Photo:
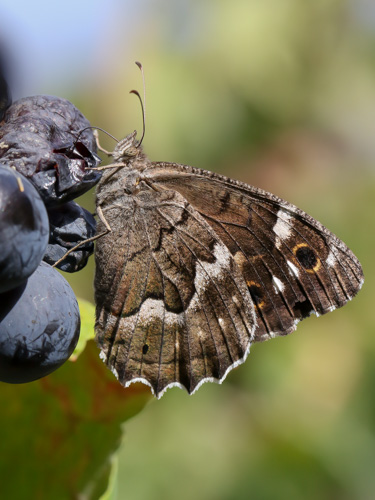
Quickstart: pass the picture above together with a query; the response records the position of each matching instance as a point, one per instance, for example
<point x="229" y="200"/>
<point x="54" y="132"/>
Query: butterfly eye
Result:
<point x="131" y="151"/>
<point x="306" y="257"/>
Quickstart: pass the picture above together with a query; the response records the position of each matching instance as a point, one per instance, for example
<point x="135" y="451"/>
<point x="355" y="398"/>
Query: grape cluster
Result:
<point x="47" y="157"/>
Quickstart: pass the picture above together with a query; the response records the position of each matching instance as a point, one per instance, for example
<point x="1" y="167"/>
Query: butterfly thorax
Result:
<point x="125" y="177"/>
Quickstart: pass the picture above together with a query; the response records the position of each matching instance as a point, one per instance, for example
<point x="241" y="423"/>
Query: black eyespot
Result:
<point x="145" y="349"/>
<point x="306" y="257"/>
<point x="303" y="309"/>
<point x="256" y="294"/>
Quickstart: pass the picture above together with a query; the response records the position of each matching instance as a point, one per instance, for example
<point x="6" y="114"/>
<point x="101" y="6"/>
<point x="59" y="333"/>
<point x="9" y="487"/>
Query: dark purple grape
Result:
<point x="24" y="228"/>
<point x="69" y="225"/>
<point x="42" y="138"/>
<point x="39" y="326"/>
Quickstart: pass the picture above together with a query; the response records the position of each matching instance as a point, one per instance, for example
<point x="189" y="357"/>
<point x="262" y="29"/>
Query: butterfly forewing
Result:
<point x="292" y="265"/>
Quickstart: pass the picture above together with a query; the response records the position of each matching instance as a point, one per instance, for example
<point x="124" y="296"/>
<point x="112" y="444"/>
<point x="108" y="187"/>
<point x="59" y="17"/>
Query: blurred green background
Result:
<point x="279" y="94"/>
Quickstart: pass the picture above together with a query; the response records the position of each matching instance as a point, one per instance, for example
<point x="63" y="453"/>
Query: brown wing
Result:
<point x="172" y="306"/>
<point x="292" y="264"/>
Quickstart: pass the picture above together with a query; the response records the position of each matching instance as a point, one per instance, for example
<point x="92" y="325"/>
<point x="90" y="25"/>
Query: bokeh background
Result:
<point x="276" y="93"/>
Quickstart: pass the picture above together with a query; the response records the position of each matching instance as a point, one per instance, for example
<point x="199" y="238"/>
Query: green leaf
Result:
<point x="112" y="489"/>
<point x="87" y="312"/>
<point x="61" y="432"/>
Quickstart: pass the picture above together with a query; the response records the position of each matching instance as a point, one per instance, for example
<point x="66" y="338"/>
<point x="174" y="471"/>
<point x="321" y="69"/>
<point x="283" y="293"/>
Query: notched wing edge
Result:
<point x="159" y="394"/>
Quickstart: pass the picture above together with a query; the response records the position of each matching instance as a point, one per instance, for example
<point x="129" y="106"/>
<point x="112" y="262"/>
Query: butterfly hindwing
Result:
<point x="172" y="305"/>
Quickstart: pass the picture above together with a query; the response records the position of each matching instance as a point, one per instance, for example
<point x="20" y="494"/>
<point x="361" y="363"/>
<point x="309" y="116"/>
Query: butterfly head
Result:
<point x="127" y="148"/>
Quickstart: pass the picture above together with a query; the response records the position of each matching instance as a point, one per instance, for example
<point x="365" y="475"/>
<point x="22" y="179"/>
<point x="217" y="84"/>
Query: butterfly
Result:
<point x="196" y="267"/>
<point x="193" y="267"/>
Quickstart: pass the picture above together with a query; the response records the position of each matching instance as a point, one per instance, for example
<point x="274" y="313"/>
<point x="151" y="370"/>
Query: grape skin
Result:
<point x="70" y="224"/>
<point x="41" y="136"/>
<point x="39" y="326"/>
<point x="24" y="228"/>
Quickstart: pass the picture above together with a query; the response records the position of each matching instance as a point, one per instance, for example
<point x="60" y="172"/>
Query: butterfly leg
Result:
<point x="151" y="185"/>
<point x="112" y="165"/>
<point x="96" y="135"/>
<point x="88" y="240"/>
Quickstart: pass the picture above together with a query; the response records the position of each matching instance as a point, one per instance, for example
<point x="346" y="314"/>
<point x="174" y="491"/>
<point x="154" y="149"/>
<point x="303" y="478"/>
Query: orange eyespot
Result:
<point x="306" y="256"/>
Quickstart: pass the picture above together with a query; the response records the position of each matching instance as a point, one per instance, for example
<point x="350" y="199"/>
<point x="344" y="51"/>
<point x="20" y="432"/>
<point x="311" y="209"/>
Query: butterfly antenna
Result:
<point x="95" y="128"/>
<point x="143" y="103"/>
<point x="96" y="137"/>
